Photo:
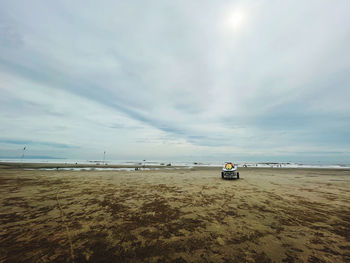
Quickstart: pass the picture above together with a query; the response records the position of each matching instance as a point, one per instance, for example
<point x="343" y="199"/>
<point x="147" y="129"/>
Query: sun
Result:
<point x="236" y="19"/>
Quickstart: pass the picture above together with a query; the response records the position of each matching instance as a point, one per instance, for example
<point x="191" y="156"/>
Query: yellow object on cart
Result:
<point x="228" y="166"/>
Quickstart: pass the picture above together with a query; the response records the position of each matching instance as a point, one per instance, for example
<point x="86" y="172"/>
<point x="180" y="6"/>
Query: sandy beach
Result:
<point x="174" y="215"/>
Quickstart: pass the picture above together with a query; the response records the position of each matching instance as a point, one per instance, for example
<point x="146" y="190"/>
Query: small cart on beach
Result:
<point x="229" y="171"/>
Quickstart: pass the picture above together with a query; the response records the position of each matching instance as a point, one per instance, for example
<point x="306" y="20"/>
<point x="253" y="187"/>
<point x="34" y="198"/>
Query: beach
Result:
<point x="177" y="214"/>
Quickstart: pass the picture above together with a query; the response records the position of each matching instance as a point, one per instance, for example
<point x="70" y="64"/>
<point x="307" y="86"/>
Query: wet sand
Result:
<point x="180" y="215"/>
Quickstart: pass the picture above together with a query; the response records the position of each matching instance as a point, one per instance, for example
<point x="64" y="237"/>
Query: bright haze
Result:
<point x="176" y="80"/>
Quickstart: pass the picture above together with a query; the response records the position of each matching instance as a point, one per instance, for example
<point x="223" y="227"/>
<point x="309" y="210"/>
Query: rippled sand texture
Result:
<point x="269" y="215"/>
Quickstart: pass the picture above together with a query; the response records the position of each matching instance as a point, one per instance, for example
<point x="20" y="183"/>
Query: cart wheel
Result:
<point x="222" y="175"/>
<point x="237" y="175"/>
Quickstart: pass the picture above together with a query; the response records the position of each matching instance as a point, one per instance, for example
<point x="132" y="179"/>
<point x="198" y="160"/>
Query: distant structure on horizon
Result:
<point x="25" y="147"/>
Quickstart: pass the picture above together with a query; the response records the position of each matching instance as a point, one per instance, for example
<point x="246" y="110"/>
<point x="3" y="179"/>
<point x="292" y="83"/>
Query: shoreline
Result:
<point x="94" y="166"/>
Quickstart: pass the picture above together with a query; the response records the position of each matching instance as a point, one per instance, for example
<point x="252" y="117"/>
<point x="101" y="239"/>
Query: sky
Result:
<point x="176" y="80"/>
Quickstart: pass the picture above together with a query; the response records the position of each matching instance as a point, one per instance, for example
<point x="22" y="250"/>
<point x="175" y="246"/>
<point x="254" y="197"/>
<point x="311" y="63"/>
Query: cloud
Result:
<point x="25" y="143"/>
<point x="169" y="80"/>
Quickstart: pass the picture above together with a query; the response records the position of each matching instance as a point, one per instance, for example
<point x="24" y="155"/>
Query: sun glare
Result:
<point x="236" y="20"/>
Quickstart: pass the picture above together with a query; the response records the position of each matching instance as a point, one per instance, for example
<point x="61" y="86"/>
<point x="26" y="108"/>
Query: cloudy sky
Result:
<point x="176" y="80"/>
